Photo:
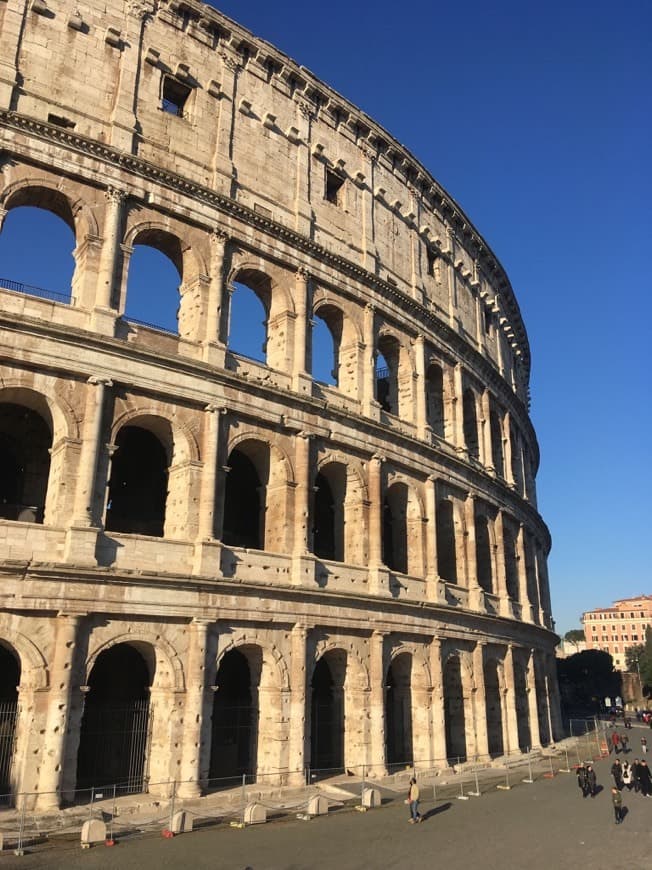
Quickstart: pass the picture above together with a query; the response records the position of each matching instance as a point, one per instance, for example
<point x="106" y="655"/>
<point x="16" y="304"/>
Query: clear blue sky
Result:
<point x="536" y="118"/>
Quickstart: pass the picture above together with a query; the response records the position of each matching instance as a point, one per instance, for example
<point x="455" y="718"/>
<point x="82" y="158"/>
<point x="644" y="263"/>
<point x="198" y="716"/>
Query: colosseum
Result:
<point x="324" y="553"/>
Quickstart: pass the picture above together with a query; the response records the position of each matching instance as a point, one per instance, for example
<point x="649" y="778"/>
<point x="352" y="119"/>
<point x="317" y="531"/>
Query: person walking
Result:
<point x="617" y="801"/>
<point x="644" y="745"/>
<point x="615" y="741"/>
<point x="624" y="742"/>
<point x="617" y="773"/>
<point x="413" y="801"/>
<point x="591" y="781"/>
<point x="635" y="771"/>
<point x="628" y="776"/>
<point x="644" y="778"/>
<point x="581" y="780"/>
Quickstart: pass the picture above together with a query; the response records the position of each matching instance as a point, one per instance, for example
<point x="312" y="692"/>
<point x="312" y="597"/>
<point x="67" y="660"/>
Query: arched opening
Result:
<point x="470" y="423"/>
<point x="138" y="484"/>
<point x="435" y="399"/>
<point x="522" y="708"/>
<point x="494" y="708"/>
<point x="326" y="341"/>
<point x="511" y="563"/>
<point x="388" y="357"/>
<point x="115" y="724"/>
<point x="155" y="272"/>
<point x="398" y="713"/>
<point x="9" y="682"/>
<point x="446" y="556"/>
<point x="330" y="495"/>
<point x="245" y="496"/>
<point x="249" y="315"/>
<point x="517" y="467"/>
<point x="25" y="442"/>
<point x="50" y="274"/>
<point x="327" y="714"/>
<point x="483" y="553"/>
<point x="234" y="736"/>
<point x="395" y="528"/>
<point x="454" y="717"/>
<point x="496" y="428"/>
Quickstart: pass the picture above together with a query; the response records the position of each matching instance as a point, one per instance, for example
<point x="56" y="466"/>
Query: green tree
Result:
<point x="633" y="656"/>
<point x="586" y="679"/>
<point x="574" y="636"/>
<point x="639" y="660"/>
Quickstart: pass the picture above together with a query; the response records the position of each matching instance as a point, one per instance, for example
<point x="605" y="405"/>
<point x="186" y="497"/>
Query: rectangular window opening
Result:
<point x="333" y="187"/>
<point x="174" y="96"/>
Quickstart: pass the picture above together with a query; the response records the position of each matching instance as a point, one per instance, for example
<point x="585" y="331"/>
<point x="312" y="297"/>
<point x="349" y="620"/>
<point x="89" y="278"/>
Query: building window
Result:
<point x="174" y="96"/>
<point x="333" y="184"/>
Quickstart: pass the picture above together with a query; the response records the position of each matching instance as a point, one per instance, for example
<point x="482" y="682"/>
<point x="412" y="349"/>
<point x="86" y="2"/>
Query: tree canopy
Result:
<point x="639" y="659"/>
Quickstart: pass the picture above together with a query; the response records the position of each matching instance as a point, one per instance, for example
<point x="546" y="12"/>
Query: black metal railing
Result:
<point x="129" y="319"/>
<point x="31" y="290"/>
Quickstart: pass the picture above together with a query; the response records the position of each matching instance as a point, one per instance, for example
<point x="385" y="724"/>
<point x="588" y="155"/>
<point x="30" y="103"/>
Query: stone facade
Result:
<point x="617" y="628"/>
<point x="412" y="622"/>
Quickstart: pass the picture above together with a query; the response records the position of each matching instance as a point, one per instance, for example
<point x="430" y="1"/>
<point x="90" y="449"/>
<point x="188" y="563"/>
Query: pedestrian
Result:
<point x="413" y="801"/>
<point x="617" y="800"/>
<point x="617" y="773"/>
<point x="636" y="765"/>
<point x="581" y="780"/>
<point x="615" y="741"/>
<point x="624" y="742"/>
<point x="645" y="778"/>
<point x="628" y="776"/>
<point x="643" y="745"/>
<point x="591" y="781"/>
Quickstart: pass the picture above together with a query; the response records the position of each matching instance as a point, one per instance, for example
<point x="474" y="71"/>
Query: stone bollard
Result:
<point x="255" y="814"/>
<point x="371" y="798"/>
<point x="93" y="831"/>
<point x="317" y="805"/>
<point x="181" y="823"/>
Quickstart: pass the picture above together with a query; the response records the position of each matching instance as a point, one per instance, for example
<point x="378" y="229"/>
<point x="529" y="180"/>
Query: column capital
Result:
<point x="99" y="381"/>
<point x="212" y="409"/>
<point x="114" y="195"/>
<point x="218" y="236"/>
<point x="302" y="274"/>
<point x="379" y="458"/>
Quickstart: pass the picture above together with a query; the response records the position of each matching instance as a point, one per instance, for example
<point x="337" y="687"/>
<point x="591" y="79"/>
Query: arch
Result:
<point x="56" y="411"/>
<point x="50" y="194"/>
<point x="9" y="682"/>
<point x="326" y="339"/>
<point x="327" y="715"/>
<point x="25" y="446"/>
<point x="271" y="655"/>
<point x="522" y="707"/>
<point x="494" y="683"/>
<point x="454" y="707"/>
<point x="33" y="667"/>
<point x="116" y="720"/>
<point x="434" y="386"/>
<point x="154" y="234"/>
<point x="470" y="423"/>
<point x="356" y="676"/>
<point x="496" y="430"/>
<point x="483" y="552"/>
<point x="345" y="478"/>
<point x="234" y="725"/>
<point x="161" y="656"/>
<point x="398" y="711"/>
<point x="446" y="542"/>
<point x="511" y="562"/>
<point x="329" y="512"/>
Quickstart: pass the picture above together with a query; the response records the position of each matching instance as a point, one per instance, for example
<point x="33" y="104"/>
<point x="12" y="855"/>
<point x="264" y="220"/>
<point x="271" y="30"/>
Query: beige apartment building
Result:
<point x="215" y="567"/>
<point x="614" y="629"/>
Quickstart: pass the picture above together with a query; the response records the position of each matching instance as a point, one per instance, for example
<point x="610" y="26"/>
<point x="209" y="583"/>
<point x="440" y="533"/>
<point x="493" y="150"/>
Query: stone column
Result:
<point x="486" y="454"/>
<point x="507" y="449"/>
<point x="476" y="595"/>
<point x="10" y="40"/>
<point x="195" y="744"/>
<point x="223" y="168"/>
<point x="370" y="405"/>
<point x="458" y="417"/>
<point x="526" y="604"/>
<point x="129" y="53"/>
<point x="207" y="549"/>
<point x="298" y="700"/>
<point x="511" y="714"/>
<point x="552" y="698"/>
<point x="439" y="753"/>
<point x="367" y="206"/>
<point x="303" y="562"/>
<point x="435" y="590"/>
<point x="504" y="604"/>
<point x="376" y="758"/>
<point x="301" y="379"/>
<point x="54" y="739"/>
<point x="533" y="708"/>
<point x="104" y="315"/>
<point x="214" y="347"/>
<point x="375" y="511"/>
<point x="480" y="704"/>
<point x="85" y="488"/>
<point x="423" y="428"/>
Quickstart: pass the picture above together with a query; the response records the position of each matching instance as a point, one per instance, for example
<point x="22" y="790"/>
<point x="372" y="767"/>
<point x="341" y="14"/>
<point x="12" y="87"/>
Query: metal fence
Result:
<point x="31" y="290"/>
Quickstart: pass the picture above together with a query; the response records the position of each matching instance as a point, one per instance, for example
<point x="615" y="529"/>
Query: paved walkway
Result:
<point x="532" y="827"/>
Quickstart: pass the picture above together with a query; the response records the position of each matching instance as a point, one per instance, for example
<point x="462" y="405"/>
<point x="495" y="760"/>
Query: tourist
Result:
<point x="581" y="780"/>
<point x="635" y="771"/>
<point x="617" y="773"/>
<point x="413" y="801"/>
<point x="644" y="745"/>
<point x="617" y="800"/>
<point x="644" y="778"/>
<point x="624" y="741"/>
<point x="628" y="776"/>
<point x="615" y="741"/>
<point x="591" y="781"/>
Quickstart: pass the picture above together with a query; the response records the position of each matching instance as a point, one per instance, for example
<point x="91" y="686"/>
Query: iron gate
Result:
<point x="113" y="746"/>
<point x="8" y="719"/>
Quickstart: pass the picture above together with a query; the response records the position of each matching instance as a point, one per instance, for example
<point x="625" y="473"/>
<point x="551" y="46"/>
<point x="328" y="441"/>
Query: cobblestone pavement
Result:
<point x="532" y="826"/>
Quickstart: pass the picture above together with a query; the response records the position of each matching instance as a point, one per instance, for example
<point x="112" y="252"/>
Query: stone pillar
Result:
<point x="298" y="700"/>
<point x="552" y="698"/>
<point x="476" y="595"/>
<point x="375" y="511"/>
<point x="435" y="589"/>
<point x="480" y="704"/>
<point x="223" y="169"/>
<point x="129" y="59"/>
<point x="504" y="604"/>
<point x="507" y="450"/>
<point x="54" y="739"/>
<point x="526" y="604"/>
<point x="85" y="488"/>
<point x="511" y="715"/>
<point x="376" y="758"/>
<point x="301" y="379"/>
<point x="439" y="753"/>
<point x="207" y="549"/>
<point x="10" y="39"/>
<point x="195" y="721"/>
<point x="303" y="562"/>
<point x="486" y="454"/>
<point x="370" y="405"/>
<point x="423" y="429"/>
<point x="458" y="415"/>
<point x="367" y="206"/>
<point x="533" y="708"/>
<point x="104" y="315"/>
<point x="305" y="115"/>
<point x="214" y="347"/>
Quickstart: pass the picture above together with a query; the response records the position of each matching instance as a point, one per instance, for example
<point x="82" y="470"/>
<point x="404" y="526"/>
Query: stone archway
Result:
<point x="9" y="681"/>
<point x="494" y="708"/>
<point x="327" y="714"/>
<point x="398" y="712"/>
<point x="234" y="732"/>
<point x="454" y="710"/>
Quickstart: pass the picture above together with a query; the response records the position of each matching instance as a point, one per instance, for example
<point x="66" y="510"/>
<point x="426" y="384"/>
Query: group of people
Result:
<point x="621" y="742"/>
<point x="636" y="775"/>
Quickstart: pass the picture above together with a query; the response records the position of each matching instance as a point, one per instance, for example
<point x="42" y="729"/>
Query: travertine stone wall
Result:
<point x="266" y="176"/>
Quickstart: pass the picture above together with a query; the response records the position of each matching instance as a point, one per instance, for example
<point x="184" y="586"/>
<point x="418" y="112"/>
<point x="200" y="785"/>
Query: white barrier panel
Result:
<point x="317" y="805"/>
<point x="93" y="831"/>
<point x="181" y="823"/>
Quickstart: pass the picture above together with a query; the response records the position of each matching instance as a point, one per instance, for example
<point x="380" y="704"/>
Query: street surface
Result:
<point x="534" y="826"/>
